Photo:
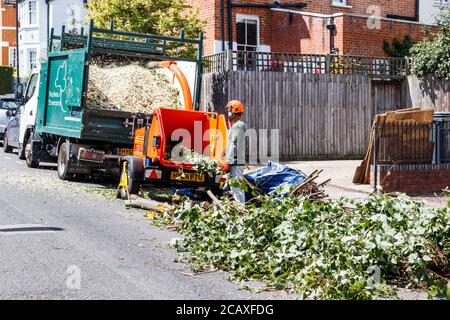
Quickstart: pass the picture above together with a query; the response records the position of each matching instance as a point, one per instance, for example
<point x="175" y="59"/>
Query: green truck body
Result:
<point x="60" y="105"/>
<point x="91" y="138"/>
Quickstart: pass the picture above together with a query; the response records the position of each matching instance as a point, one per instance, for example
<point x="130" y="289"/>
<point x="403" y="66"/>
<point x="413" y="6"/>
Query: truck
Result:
<point x="78" y="139"/>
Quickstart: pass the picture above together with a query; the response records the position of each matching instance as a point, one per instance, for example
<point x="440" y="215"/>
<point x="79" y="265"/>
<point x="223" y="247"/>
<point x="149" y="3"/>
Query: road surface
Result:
<point x="59" y="240"/>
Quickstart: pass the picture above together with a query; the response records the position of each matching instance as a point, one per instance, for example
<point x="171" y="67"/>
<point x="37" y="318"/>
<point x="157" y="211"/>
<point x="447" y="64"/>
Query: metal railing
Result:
<point x="377" y="67"/>
<point x="399" y="143"/>
<point x="411" y="143"/>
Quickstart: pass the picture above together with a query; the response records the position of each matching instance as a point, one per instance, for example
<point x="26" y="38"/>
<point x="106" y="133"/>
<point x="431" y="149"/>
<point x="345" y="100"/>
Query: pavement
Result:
<point x="58" y="240"/>
<point x="341" y="173"/>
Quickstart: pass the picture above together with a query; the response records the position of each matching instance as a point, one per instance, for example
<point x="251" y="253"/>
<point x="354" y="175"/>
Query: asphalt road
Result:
<point x="60" y="241"/>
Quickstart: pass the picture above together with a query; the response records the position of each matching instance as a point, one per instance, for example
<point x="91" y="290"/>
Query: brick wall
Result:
<point x="285" y="32"/>
<point x="359" y="39"/>
<point x="8" y="19"/>
<point x="397" y="7"/>
<point x="412" y="179"/>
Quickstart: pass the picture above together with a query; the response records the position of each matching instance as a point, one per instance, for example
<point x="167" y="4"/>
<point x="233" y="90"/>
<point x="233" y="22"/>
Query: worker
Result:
<point x="235" y="152"/>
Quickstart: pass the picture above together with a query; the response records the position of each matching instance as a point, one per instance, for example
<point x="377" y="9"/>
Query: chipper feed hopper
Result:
<point x="156" y="156"/>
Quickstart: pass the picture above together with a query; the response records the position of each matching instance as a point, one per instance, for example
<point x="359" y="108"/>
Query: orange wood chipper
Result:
<point x="157" y="146"/>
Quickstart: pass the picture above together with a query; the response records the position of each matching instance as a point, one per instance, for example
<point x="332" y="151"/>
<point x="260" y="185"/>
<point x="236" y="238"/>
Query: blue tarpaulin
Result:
<point x="273" y="176"/>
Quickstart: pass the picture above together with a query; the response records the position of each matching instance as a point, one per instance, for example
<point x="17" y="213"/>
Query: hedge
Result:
<point x="6" y="78"/>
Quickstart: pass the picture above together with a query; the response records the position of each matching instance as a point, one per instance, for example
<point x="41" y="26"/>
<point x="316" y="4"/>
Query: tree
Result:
<point x="399" y="49"/>
<point x="162" y="17"/>
<point x="432" y="55"/>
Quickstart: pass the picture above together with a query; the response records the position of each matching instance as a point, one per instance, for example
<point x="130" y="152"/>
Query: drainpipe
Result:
<point x="17" y="41"/>
<point x="331" y="26"/>
<point x="48" y="20"/>
<point x="230" y="24"/>
<point x="222" y="24"/>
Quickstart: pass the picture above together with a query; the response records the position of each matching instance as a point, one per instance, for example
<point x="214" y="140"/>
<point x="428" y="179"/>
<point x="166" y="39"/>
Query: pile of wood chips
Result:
<point x="132" y="86"/>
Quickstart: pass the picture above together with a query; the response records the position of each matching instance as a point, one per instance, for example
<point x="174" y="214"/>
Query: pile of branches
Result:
<point x="310" y="188"/>
<point x="325" y="249"/>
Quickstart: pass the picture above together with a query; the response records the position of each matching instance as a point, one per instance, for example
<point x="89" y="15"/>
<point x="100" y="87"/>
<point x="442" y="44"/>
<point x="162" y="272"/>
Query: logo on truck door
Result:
<point x="59" y="89"/>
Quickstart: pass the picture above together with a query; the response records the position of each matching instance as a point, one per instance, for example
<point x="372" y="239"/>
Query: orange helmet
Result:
<point x="235" y="106"/>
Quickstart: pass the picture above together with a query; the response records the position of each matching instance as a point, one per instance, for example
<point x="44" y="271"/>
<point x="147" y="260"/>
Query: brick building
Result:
<point x="7" y="32"/>
<point x="303" y="26"/>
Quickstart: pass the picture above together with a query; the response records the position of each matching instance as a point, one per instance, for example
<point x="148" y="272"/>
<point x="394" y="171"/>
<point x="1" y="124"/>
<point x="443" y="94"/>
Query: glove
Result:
<point x="225" y="167"/>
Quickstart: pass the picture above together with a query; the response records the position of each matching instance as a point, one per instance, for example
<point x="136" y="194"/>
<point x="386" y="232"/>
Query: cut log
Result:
<point x="147" y="205"/>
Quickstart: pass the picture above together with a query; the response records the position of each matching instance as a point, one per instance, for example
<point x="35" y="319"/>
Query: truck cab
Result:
<point x="22" y="123"/>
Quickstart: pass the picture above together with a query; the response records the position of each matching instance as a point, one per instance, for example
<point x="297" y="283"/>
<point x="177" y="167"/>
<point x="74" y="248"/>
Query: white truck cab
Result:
<point x="21" y="125"/>
<point x="29" y="109"/>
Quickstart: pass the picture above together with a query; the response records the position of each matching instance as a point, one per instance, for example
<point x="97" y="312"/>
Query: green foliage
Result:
<point x="432" y="55"/>
<point x="398" y="49"/>
<point x="161" y="17"/>
<point x="6" y="77"/>
<point x="322" y="250"/>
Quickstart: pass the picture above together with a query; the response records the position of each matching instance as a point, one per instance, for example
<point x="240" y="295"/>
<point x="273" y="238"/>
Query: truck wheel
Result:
<point x="29" y="154"/>
<point x="21" y="151"/>
<point x="6" y="147"/>
<point x="63" y="162"/>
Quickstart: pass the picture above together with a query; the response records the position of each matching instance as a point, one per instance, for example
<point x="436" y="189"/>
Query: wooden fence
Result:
<point x="319" y="116"/>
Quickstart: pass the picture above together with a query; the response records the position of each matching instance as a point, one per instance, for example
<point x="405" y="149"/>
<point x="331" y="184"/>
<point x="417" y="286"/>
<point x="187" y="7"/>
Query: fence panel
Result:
<point x="318" y="115"/>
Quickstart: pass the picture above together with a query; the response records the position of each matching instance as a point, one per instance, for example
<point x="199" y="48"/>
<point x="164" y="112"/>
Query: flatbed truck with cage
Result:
<point x="82" y="140"/>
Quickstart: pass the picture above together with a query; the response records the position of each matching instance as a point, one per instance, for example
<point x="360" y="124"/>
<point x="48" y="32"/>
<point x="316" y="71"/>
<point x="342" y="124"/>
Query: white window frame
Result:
<point x="443" y="3"/>
<point x="32" y="63"/>
<point x="29" y="12"/>
<point x="243" y="17"/>
<point x="340" y="3"/>
<point x="12" y="57"/>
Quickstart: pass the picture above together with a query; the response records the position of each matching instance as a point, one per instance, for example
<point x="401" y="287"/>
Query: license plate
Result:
<point x="91" y="155"/>
<point x="126" y="152"/>
<point x="193" y="177"/>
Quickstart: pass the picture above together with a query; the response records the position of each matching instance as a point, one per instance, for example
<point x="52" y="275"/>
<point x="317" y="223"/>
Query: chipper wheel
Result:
<point x="127" y="184"/>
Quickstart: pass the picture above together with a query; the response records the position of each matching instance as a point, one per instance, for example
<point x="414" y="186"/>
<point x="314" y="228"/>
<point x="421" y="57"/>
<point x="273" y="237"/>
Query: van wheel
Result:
<point x="6" y="147"/>
<point x="29" y="154"/>
<point x="63" y="162"/>
<point x="21" y="151"/>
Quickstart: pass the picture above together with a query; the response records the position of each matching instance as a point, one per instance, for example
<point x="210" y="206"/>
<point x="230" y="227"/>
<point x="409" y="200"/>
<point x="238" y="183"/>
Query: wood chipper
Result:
<point x="156" y="156"/>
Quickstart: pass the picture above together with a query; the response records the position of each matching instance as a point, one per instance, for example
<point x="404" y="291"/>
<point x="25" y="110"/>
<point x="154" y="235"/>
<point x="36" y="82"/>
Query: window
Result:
<point x="247" y="38"/>
<point x="339" y="2"/>
<point x="32" y="19"/>
<point x="247" y="31"/>
<point x="22" y="13"/>
<point x="31" y="87"/>
<point x="12" y="57"/>
<point x="443" y="3"/>
<point x="32" y="59"/>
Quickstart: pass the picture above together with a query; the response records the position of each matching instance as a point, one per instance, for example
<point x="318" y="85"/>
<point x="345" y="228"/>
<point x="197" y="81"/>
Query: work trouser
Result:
<point x="238" y="193"/>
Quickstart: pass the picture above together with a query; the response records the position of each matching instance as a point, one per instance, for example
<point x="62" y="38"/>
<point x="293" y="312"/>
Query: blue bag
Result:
<point x="273" y="176"/>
